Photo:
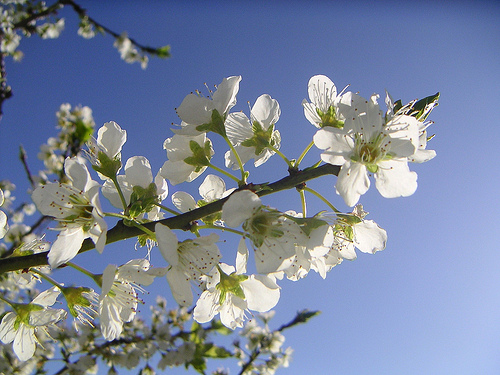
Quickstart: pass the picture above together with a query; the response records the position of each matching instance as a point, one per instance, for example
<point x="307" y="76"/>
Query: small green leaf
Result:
<point x="217" y="352"/>
<point x="163" y="52"/>
<point x="423" y="107"/>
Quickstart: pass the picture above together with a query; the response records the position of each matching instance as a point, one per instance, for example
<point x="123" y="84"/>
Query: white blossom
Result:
<point x="231" y="293"/>
<point x="255" y="137"/>
<point x="196" y="110"/>
<point x="105" y="151"/>
<point x="189" y="260"/>
<point x="21" y="325"/>
<point x="76" y="208"/>
<point x="367" y="144"/>
<point x="137" y="174"/>
<point x="188" y="157"/>
<point x="118" y="300"/>
<point x="272" y="234"/>
<point x="323" y="108"/>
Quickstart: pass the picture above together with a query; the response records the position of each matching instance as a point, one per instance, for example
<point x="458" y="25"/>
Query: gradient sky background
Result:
<point x="430" y="302"/>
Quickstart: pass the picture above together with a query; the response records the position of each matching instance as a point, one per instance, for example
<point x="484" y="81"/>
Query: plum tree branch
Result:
<point x="121" y="232"/>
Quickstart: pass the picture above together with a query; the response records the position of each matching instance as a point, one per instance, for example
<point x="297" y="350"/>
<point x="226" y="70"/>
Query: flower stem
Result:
<point x="288" y="162"/>
<point x="322" y="198"/>
<point x="96" y="278"/>
<point x="306" y="150"/>
<point x="10" y="303"/>
<point x="224" y="172"/>
<point x="144" y="229"/>
<point x="120" y="193"/>
<point x="210" y="226"/>
<point x="169" y="210"/>
<point x="303" y="201"/>
<point x="238" y="159"/>
<point x="47" y="278"/>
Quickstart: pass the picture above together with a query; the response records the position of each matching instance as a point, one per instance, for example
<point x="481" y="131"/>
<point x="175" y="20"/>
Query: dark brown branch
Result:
<point x="122" y="232"/>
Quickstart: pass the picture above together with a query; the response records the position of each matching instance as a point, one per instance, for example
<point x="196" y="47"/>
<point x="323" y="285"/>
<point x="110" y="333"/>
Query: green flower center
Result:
<point x="370" y="153"/>
<point x="329" y="118"/>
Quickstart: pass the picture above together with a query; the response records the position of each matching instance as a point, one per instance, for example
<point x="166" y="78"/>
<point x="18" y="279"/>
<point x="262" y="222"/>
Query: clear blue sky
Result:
<point x="430" y="302"/>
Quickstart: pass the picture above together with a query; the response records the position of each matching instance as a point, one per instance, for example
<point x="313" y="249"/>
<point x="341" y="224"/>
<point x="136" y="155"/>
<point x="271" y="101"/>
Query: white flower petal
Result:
<point x="47" y="316"/>
<point x="242" y="257"/>
<point x="224" y="97"/>
<point x="352" y="182"/>
<point x="338" y="145"/>
<point x="111" y="137"/>
<point x="369" y="237"/>
<point x="180" y="286"/>
<point x="195" y="110"/>
<point x="138" y="171"/>
<point x="261" y="293"/>
<point x="110" y="322"/>
<point x="167" y="243"/>
<point x="207" y="306"/>
<point x="238" y="127"/>
<point x="24" y="342"/>
<point x="77" y="173"/>
<point x="212" y="188"/>
<point x="178" y="172"/>
<point x="47" y="297"/>
<point x="239" y="207"/>
<point x="275" y="254"/>
<point x="266" y="111"/>
<point x="394" y="179"/>
<point x="7" y="330"/>
<point x="4" y="226"/>
<point x="183" y="201"/>
<point x="232" y="312"/>
<point x="66" y="246"/>
<point x="108" y="278"/>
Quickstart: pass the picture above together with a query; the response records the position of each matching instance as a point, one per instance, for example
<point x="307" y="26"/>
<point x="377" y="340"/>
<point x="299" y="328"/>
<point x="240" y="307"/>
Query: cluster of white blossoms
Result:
<point x="356" y="135"/>
<point x="353" y="133"/>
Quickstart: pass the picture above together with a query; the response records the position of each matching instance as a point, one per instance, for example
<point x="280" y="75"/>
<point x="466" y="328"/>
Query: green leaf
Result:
<point x="217" y="352"/>
<point x="201" y="155"/>
<point x="163" y="52"/>
<point x="423" y="107"/>
<point x="215" y="125"/>
<point x="305" y="315"/>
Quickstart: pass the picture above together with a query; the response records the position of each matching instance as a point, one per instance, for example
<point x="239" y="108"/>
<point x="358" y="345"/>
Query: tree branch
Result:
<point x="121" y="232"/>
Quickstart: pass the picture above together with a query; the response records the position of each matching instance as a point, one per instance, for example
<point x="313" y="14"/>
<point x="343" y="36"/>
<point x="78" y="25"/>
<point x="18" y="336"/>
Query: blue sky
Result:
<point x="429" y="303"/>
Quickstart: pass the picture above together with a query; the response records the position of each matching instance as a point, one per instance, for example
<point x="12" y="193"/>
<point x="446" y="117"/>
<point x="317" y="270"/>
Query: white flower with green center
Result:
<point x="368" y="145"/>
<point x="104" y="151"/>
<point x="255" y="137"/>
<point x="21" y="325"/>
<point x="353" y="231"/>
<point x="118" y="300"/>
<point x="323" y="110"/>
<point x="311" y="249"/>
<point x="77" y="210"/>
<point x="188" y="157"/>
<point x="201" y="114"/>
<point x="231" y="293"/>
<point x="140" y="190"/>
<point x="273" y="235"/>
<point x="420" y="110"/>
<point x="189" y="260"/>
